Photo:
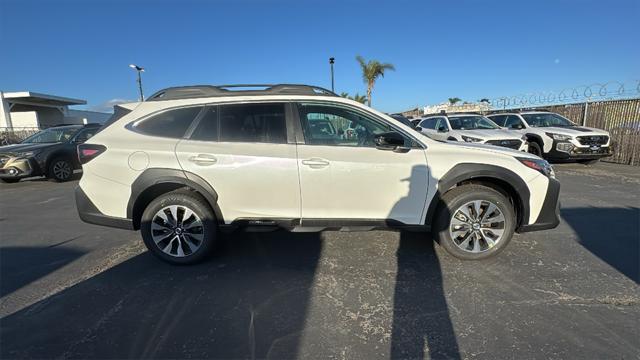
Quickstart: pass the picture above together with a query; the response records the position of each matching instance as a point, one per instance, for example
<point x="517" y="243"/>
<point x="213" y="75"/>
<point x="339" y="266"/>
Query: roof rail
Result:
<point x="516" y="111"/>
<point x="197" y="91"/>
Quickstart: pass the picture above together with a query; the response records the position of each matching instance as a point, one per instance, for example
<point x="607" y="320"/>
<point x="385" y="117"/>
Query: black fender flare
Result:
<point x="535" y="137"/>
<point x="469" y="171"/>
<point x="155" y="176"/>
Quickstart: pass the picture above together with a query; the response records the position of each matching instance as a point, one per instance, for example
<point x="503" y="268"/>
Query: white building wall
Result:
<point x="24" y="119"/>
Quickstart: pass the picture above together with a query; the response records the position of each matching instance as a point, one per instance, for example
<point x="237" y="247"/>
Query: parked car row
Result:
<point x="542" y="133"/>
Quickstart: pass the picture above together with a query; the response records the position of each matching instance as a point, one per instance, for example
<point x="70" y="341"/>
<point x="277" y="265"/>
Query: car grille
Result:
<point x="511" y="144"/>
<point x="593" y="140"/>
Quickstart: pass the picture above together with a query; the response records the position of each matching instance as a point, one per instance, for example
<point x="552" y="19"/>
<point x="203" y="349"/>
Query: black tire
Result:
<point x="588" y="162"/>
<point x="60" y="169"/>
<point x="10" y="181"/>
<point x="458" y="197"/>
<point x="193" y="202"/>
<point x="535" y="149"/>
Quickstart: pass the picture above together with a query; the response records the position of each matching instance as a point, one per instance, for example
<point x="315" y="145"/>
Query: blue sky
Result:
<point x="441" y="49"/>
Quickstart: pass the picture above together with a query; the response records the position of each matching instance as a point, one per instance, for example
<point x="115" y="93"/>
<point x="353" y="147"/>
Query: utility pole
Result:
<point x="331" y="61"/>
<point x="139" y="70"/>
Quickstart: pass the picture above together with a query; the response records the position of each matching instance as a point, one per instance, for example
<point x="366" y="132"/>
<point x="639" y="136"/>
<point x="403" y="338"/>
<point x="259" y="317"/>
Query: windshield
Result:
<point x="51" y="136"/>
<point x="546" y="119"/>
<point x="472" y="123"/>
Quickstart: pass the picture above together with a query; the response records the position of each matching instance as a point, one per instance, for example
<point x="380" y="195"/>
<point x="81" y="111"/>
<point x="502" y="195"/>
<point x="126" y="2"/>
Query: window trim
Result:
<point x="415" y="143"/>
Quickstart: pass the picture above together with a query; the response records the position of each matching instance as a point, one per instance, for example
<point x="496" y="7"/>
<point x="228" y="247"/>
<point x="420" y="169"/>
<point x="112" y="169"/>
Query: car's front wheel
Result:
<point x="60" y="170"/>
<point x="474" y="222"/>
<point x="535" y="149"/>
<point x="179" y="227"/>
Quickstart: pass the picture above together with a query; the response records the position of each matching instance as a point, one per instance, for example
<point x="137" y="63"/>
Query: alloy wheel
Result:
<point x="477" y="226"/>
<point x="62" y="170"/>
<point x="177" y="231"/>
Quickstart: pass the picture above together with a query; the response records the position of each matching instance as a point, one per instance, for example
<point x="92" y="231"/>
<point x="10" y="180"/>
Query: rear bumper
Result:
<point x="549" y="217"/>
<point x="90" y="214"/>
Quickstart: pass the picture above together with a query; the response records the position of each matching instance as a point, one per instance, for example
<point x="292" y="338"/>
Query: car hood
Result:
<point x="16" y="148"/>
<point x="574" y="130"/>
<point x="493" y="149"/>
<point x="490" y="134"/>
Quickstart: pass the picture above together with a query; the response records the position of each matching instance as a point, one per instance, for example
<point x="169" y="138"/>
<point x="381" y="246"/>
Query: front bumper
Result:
<point x="549" y="217"/>
<point x="18" y="168"/>
<point x="90" y="214"/>
<point x="565" y="150"/>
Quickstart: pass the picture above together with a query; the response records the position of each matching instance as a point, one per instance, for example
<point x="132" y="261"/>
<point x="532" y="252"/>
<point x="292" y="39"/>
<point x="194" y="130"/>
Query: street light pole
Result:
<point x="139" y="70"/>
<point x="331" y="61"/>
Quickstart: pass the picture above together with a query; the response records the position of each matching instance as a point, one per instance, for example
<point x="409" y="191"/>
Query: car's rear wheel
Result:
<point x="60" y="169"/>
<point x="474" y="222"/>
<point x="535" y="149"/>
<point x="179" y="227"/>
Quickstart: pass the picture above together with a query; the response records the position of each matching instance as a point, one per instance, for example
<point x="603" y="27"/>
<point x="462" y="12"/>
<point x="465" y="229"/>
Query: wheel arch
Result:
<point x="495" y="177"/>
<point x="157" y="181"/>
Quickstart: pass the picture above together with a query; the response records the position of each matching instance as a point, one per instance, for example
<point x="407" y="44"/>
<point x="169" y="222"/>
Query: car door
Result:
<point x="244" y="152"/>
<point x="440" y="129"/>
<point x="346" y="177"/>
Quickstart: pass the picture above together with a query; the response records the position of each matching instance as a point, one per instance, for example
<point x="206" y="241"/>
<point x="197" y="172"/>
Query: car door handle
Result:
<point x="315" y="163"/>
<point x="203" y="159"/>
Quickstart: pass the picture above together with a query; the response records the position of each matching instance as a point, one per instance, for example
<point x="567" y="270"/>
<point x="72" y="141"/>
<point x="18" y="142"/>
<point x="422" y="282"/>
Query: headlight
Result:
<point x="540" y="165"/>
<point x="470" y="139"/>
<point x="25" y="154"/>
<point x="559" y="137"/>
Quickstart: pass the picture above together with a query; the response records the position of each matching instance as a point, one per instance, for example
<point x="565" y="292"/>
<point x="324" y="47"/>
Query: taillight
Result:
<point x="88" y="152"/>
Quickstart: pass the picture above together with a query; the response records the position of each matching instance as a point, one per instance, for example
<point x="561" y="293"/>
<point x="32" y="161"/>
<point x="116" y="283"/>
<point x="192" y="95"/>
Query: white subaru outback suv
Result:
<point x="472" y="128"/>
<point x="192" y="161"/>
<point x="555" y="137"/>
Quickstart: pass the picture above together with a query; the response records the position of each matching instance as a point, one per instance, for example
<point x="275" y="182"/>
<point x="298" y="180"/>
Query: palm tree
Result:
<point x="454" y="100"/>
<point x="357" y="97"/>
<point x="371" y="70"/>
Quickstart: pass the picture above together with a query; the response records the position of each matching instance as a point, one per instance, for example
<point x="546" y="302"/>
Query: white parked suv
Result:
<point x="555" y="137"/>
<point x="472" y="128"/>
<point x="192" y="161"/>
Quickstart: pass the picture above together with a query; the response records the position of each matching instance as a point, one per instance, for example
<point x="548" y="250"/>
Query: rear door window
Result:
<point x="263" y="123"/>
<point x="429" y="123"/>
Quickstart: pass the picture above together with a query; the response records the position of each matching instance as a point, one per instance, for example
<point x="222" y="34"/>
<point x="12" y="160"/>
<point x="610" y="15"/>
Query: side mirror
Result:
<point x="388" y="141"/>
<point x="443" y="129"/>
<point x="516" y="126"/>
<point x="418" y="128"/>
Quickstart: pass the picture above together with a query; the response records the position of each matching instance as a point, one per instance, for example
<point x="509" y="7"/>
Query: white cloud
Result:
<point x="107" y="106"/>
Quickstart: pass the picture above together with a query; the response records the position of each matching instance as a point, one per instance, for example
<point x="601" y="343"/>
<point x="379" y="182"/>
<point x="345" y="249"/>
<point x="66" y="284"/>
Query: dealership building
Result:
<point x="27" y="109"/>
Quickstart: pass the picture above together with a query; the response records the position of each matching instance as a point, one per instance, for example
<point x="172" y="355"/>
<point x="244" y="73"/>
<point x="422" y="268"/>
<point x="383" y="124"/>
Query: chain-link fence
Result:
<point x="620" y="117"/>
<point x="10" y="136"/>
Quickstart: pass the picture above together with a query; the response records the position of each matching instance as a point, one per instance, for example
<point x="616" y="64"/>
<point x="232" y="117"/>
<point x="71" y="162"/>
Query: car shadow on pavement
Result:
<point x="421" y="321"/>
<point x="612" y="234"/>
<point x="250" y="301"/>
<point x="21" y="265"/>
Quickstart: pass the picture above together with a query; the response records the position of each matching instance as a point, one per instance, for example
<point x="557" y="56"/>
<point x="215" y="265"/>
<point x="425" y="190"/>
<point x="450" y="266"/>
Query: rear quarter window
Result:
<point x="172" y="123"/>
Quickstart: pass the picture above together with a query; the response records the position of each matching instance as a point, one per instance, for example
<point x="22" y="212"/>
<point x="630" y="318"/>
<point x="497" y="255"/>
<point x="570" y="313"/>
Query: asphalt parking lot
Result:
<point x="73" y="290"/>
